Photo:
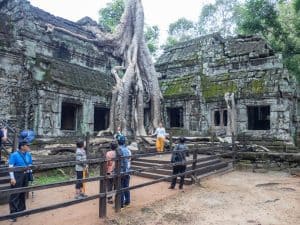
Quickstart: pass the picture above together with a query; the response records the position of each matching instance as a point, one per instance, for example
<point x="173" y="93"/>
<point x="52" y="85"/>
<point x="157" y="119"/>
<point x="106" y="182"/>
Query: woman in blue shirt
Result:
<point x="20" y="158"/>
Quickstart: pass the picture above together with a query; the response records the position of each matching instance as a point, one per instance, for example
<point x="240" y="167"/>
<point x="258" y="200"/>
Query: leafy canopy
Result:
<point x="181" y="30"/>
<point x="110" y="16"/>
<point x="278" y="21"/>
<point x="218" y="17"/>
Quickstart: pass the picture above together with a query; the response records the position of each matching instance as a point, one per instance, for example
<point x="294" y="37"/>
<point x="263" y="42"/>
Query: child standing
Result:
<point x="80" y="167"/>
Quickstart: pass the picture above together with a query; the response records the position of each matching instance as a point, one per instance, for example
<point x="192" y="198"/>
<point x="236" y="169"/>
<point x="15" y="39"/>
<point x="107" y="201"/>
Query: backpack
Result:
<point x="178" y="154"/>
<point x="178" y="157"/>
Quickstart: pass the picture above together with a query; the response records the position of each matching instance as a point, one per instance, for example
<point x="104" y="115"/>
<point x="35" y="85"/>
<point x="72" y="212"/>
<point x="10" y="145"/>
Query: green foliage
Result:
<point x="297" y="5"/>
<point x="181" y="30"/>
<point x="151" y="36"/>
<point x="279" y="23"/>
<point x="259" y="16"/>
<point x="218" y="17"/>
<point x="50" y="177"/>
<point x="181" y="27"/>
<point x="110" y="16"/>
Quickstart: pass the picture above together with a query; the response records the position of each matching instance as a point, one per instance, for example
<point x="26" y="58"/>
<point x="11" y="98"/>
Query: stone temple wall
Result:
<point x="196" y="74"/>
<point x="40" y="70"/>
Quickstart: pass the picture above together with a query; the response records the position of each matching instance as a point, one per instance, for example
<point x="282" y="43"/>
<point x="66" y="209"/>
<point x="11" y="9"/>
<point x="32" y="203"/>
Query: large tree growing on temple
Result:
<point x="139" y="84"/>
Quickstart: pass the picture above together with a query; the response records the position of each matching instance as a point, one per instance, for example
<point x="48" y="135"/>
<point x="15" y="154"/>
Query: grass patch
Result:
<point x="50" y="177"/>
<point x="42" y="180"/>
<point x="59" y="175"/>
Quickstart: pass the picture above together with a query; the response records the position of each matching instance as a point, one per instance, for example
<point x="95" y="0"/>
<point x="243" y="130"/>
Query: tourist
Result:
<point x="118" y="134"/>
<point x="80" y="168"/>
<point x="123" y="151"/>
<point x="179" y="157"/>
<point x="3" y="138"/>
<point x="160" y="133"/>
<point x="110" y="167"/>
<point x="20" y="158"/>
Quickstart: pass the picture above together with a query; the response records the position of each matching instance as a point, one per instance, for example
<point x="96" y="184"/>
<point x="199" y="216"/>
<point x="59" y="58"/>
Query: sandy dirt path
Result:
<point x="234" y="198"/>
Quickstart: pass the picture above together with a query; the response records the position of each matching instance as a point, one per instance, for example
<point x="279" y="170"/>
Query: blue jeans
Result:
<point x="125" y="195"/>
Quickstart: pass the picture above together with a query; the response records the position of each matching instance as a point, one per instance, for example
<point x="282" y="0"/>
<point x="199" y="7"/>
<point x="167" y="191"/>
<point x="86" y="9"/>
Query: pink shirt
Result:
<point x="110" y="166"/>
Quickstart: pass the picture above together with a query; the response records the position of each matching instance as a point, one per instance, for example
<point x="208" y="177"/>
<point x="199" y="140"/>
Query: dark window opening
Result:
<point x="258" y="117"/>
<point x="225" y="118"/>
<point x="176" y="117"/>
<point x="101" y="118"/>
<point x="217" y="118"/>
<point x="69" y="114"/>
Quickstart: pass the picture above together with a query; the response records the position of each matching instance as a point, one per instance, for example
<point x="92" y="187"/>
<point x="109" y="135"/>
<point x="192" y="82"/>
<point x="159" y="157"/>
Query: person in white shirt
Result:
<point x="81" y="170"/>
<point x="160" y="133"/>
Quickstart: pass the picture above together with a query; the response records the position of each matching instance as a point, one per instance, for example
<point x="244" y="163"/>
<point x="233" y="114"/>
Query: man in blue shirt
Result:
<point x="20" y="158"/>
<point x="3" y="138"/>
<point x="125" y="167"/>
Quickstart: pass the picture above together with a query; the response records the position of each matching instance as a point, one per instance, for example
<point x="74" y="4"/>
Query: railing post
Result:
<point x="171" y="140"/>
<point x="233" y="148"/>
<point x="102" y="199"/>
<point x="195" y="154"/>
<point x="118" y="183"/>
<point x="87" y="144"/>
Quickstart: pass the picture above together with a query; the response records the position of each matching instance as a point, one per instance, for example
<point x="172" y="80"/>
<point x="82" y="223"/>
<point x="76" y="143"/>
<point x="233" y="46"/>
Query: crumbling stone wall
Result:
<point x="40" y="70"/>
<point x="204" y="69"/>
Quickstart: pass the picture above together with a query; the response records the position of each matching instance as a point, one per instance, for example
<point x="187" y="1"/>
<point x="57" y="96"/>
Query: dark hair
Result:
<point x="182" y="140"/>
<point x="22" y="143"/>
<point x="79" y="144"/>
<point x="113" y="145"/>
<point x="121" y="140"/>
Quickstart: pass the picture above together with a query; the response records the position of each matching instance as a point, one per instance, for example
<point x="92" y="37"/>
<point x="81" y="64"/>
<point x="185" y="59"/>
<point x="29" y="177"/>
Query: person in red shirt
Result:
<point x="110" y="167"/>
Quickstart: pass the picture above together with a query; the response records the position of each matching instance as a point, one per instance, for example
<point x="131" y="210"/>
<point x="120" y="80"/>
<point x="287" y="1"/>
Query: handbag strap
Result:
<point x="23" y="157"/>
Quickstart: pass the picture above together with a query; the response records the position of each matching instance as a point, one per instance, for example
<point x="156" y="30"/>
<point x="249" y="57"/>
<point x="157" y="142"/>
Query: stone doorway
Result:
<point x="70" y="114"/>
<point x="101" y="118"/>
<point x="258" y="117"/>
<point x="175" y="116"/>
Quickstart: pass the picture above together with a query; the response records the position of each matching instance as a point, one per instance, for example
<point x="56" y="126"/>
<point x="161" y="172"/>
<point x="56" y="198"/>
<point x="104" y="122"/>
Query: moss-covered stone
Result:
<point x="178" y="87"/>
<point x="73" y="76"/>
<point x="215" y="89"/>
<point x="257" y="86"/>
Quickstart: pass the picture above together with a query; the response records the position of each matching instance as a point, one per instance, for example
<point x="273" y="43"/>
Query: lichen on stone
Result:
<point x="214" y="89"/>
<point x="178" y="87"/>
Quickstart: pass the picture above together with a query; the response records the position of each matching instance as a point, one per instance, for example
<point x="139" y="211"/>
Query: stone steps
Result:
<point x="208" y="165"/>
<point x="169" y="169"/>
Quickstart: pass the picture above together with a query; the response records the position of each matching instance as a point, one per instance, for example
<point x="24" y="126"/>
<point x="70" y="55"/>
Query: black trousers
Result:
<point x="176" y="170"/>
<point x="110" y="185"/>
<point x="79" y="175"/>
<point x="17" y="201"/>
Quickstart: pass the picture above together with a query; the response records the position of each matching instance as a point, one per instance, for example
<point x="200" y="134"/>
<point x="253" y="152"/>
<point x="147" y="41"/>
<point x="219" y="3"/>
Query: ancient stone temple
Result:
<point x="51" y="82"/>
<point x="60" y="86"/>
<point x="196" y="74"/>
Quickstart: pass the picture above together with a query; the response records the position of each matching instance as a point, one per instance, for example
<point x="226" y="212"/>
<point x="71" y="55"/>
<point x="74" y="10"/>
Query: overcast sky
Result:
<point x="157" y="12"/>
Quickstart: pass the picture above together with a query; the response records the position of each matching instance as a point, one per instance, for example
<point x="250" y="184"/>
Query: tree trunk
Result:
<point x="127" y="107"/>
<point x="140" y="81"/>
